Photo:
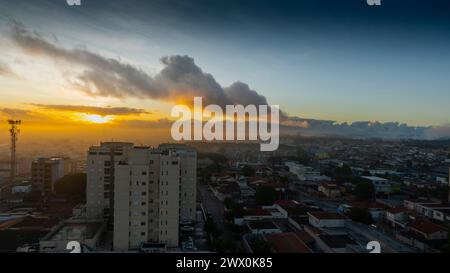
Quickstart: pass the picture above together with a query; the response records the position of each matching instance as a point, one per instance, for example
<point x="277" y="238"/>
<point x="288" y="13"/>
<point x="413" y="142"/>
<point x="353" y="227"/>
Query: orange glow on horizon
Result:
<point x="98" y="119"/>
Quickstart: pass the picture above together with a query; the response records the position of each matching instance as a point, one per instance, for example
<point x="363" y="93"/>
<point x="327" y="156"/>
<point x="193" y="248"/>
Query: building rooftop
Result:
<point x="397" y="210"/>
<point x="374" y="178"/>
<point x="288" y="242"/>
<point x="323" y="215"/>
<point x="336" y="241"/>
<point x="426" y="227"/>
<point x="262" y="225"/>
<point x="256" y="212"/>
<point x="74" y="231"/>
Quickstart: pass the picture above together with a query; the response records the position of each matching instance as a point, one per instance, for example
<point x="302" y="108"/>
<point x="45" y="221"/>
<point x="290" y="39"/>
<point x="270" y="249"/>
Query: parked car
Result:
<point x="186" y="222"/>
<point x="187" y="228"/>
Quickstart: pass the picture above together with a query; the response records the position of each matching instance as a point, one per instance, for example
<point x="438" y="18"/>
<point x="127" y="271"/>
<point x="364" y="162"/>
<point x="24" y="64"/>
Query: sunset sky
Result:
<point x="111" y="64"/>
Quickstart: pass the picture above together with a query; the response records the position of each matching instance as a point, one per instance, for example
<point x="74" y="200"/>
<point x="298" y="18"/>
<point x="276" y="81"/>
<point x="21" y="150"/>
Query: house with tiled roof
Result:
<point x="289" y="242"/>
<point x="322" y="219"/>
<point x="428" y="230"/>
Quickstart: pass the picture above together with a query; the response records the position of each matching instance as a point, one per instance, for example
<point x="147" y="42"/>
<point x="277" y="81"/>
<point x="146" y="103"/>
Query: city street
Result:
<point x="215" y="208"/>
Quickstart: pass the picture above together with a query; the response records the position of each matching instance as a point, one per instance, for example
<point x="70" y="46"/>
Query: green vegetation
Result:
<point x="364" y="191"/>
<point x="72" y="186"/>
<point x="360" y="215"/>
<point x="211" y="227"/>
<point x="265" y="196"/>
<point x="248" y="171"/>
<point x="303" y="157"/>
<point x="234" y="210"/>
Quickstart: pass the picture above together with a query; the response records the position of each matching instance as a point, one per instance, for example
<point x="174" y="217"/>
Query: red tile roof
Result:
<point x="288" y="242"/>
<point x="256" y="212"/>
<point x="305" y="237"/>
<point x="287" y="203"/>
<point x="426" y="227"/>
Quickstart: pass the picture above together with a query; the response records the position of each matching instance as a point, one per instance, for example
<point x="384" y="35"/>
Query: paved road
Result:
<point x="390" y="244"/>
<point x="201" y="242"/>
<point x="330" y="206"/>
<point x="216" y="208"/>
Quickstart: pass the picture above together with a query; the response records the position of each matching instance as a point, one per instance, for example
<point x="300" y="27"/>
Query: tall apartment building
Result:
<point x="100" y="164"/>
<point x="152" y="190"/>
<point x="46" y="171"/>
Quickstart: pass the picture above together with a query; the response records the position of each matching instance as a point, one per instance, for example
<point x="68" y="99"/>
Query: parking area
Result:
<point x="193" y="236"/>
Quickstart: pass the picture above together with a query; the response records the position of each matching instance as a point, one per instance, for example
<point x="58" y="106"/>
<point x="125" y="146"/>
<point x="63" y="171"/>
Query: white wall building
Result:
<point x="46" y="171"/>
<point x="145" y="192"/>
<point x="381" y="185"/>
<point x="322" y="219"/>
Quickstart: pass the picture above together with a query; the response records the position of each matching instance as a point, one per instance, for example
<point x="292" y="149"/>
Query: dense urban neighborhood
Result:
<point x="312" y="195"/>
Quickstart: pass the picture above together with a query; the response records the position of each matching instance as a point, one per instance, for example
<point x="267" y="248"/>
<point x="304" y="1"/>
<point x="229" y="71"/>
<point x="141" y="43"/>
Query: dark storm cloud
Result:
<point x="103" y="111"/>
<point x="180" y="79"/>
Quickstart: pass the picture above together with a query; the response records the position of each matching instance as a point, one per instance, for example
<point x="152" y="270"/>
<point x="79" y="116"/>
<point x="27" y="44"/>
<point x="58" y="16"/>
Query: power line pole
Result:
<point x="14" y="133"/>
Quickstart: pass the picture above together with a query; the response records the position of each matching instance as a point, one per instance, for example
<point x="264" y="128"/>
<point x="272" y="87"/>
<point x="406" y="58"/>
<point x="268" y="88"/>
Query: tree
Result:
<point x="345" y="170"/>
<point x="303" y="157"/>
<point x="248" y="171"/>
<point x="211" y="227"/>
<point x="265" y="195"/>
<point x="364" y="191"/>
<point x="72" y="186"/>
<point x="228" y="202"/>
<point x="284" y="180"/>
<point x="261" y="246"/>
<point x="360" y="215"/>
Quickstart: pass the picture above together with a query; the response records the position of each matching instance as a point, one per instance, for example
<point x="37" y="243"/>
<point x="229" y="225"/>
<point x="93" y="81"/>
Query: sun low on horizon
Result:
<point x="96" y="119"/>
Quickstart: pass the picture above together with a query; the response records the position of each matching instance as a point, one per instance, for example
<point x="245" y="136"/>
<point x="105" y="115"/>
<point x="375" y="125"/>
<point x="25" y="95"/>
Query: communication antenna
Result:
<point x="14" y="133"/>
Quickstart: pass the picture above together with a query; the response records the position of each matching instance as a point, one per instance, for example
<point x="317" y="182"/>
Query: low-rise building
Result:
<point x="381" y="185"/>
<point x="289" y="242"/>
<point x="330" y="190"/>
<point x="322" y="219"/>
<point x="397" y="217"/>
<point x="85" y="232"/>
<point x="428" y="231"/>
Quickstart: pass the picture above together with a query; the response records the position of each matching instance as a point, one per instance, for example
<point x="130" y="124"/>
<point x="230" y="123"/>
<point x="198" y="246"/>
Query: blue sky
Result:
<point x="334" y="60"/>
